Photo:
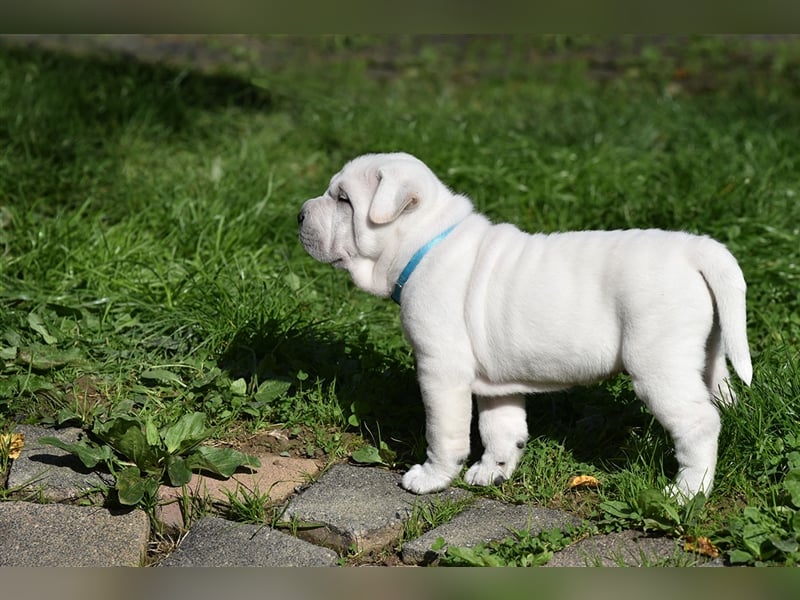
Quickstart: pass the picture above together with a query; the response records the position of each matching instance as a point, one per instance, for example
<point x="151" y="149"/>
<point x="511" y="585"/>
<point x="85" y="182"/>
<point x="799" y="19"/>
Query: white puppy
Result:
<point x="499" y="313"/>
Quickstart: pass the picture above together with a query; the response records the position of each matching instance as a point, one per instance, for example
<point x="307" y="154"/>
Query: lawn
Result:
<point x="150" y="264"/>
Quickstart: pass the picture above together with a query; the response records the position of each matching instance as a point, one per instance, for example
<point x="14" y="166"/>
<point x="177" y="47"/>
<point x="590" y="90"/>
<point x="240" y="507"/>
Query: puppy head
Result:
<point x="360" y="222"/>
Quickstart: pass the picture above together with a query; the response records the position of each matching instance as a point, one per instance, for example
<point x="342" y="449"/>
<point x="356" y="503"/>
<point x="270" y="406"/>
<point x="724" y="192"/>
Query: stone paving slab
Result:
<point x="58" y="535"/>
<point x="357" y="508"/>
<point x="628" y="549"/>
<point x="47" y="472"/>
<point x="216" y="542"/>
<point x="484" y="521"/>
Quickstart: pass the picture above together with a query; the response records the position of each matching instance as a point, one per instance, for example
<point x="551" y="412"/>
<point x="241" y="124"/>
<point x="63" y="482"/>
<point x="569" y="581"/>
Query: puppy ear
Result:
<point x="393" y="196"/>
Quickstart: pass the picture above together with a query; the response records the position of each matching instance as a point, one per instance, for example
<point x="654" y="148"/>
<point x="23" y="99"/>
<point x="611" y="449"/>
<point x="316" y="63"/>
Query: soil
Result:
<point x="299" y="442"/>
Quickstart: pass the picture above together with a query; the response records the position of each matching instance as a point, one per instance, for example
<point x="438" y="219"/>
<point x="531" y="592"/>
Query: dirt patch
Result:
<point x="271" y="484"/>
<point x="299" y="441"/>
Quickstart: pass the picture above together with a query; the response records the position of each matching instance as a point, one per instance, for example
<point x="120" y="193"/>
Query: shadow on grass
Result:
<point x="604" y="425"/>
<point x="65" y="113"/>
<point x="333" y="379"/>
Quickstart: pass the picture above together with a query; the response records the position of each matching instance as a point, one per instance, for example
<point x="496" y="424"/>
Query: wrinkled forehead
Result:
<point x="368" y="169"/>
<point x="356" y="172"/>
<point x="353" y="178"/>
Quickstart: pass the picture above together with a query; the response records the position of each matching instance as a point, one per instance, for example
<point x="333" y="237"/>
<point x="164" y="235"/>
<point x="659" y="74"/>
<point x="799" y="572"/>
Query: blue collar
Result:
<point x="412" y="264"/>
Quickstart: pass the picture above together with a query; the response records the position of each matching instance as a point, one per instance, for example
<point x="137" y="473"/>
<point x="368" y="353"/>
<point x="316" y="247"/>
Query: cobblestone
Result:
<point x="349" y="511"/>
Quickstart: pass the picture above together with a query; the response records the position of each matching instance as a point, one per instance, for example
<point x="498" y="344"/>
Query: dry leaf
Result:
<point x="700" y="545"/>
<point x="278" y="435"/>
<point x="681" y="73"/>
<point x="11" y="444"/>
<point x="583" y="481"/>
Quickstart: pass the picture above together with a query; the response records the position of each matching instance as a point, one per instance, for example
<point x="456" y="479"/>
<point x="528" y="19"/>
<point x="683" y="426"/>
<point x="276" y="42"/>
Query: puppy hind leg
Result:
<point x="717" y="377"/>
<point x="682" y="404"/>
<point x="504" y="431"/>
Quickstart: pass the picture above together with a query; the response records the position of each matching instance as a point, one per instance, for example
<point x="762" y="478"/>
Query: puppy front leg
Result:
<point x="504" y="431"/>
<point x="448" y="412"/>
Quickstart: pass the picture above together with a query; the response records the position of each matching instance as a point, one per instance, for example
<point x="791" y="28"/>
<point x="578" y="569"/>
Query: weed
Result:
<point x="247" y="505"/>
<point x="769" y="534"/>
<point x="653" y="511"/>
<point x="428" y="515"/>
<point x="193" y="507"/>
<point x="141" y="455"/>
<point x="520" y="549"/>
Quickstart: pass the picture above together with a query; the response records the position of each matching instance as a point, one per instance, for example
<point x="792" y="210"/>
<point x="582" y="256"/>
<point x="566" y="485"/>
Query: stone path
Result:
<point x="349" y="515"/>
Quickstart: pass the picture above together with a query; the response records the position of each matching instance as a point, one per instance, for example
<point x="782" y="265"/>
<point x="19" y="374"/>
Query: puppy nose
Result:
<point x="301" y="216"/>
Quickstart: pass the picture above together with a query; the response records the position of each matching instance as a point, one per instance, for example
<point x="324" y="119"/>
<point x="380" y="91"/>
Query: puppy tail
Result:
<point x="726" y="281"/>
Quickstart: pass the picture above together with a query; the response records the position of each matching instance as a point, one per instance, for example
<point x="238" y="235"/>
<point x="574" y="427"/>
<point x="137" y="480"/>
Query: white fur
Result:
<point x="498" y="313"/>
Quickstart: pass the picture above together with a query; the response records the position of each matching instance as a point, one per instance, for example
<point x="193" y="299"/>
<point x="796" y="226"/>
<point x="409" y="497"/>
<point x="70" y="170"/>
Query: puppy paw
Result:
<point x="488" y="473"/>
<point x="679" y="495"/>
<point x="683" y="492"/>
<point x="425" y="479"/>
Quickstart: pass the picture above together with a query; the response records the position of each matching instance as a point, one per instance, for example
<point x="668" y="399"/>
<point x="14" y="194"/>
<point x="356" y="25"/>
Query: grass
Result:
<point x="428" y="515"/>
<point x="150" y="257"/>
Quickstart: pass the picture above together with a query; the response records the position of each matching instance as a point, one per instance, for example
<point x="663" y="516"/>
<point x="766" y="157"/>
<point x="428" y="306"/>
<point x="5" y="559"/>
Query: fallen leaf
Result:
<point x="700" y="545"/>
<point x="278" y="435"/>
<point x="583" y="481"/>
<point x="681" y="73"/>
<point x="11" y="444"/>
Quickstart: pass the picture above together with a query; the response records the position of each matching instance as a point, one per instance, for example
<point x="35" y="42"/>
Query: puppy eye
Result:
<point x="343" y="197"/>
